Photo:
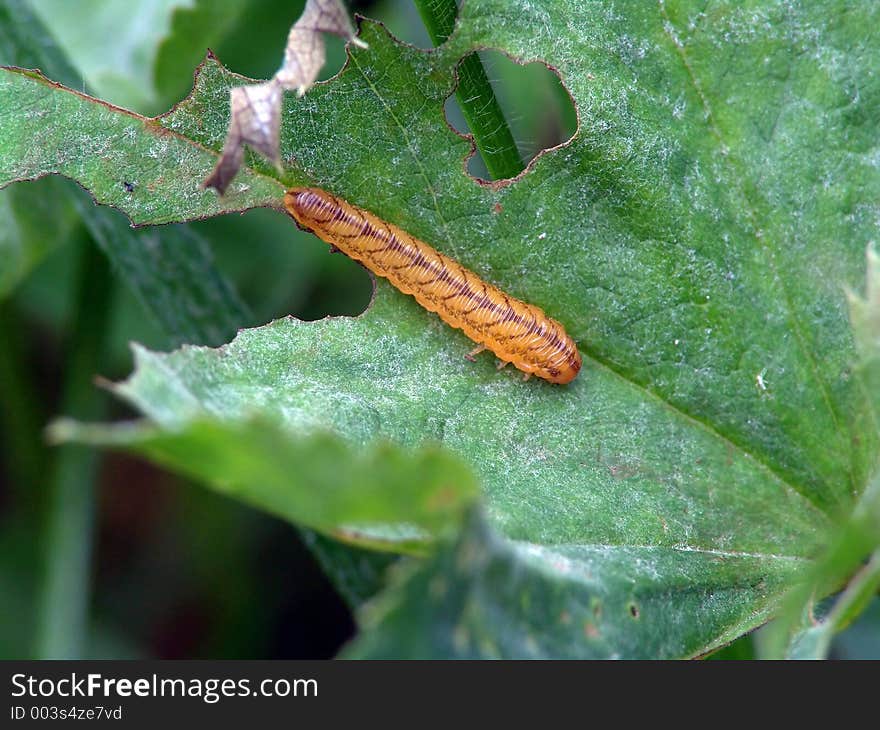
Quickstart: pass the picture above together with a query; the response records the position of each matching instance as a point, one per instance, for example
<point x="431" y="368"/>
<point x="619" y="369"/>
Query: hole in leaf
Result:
<point x="304" y="279"/>
<point x="402" y="20"/>
<point x="536" y="105"/>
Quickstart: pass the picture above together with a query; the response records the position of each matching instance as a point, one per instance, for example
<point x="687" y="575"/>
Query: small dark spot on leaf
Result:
<point x="129" y="186"/>
<point x="633" y="610"/>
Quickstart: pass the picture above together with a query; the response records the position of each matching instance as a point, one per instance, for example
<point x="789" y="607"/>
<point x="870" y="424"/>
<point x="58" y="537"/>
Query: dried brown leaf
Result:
<point x="256" y="110"/>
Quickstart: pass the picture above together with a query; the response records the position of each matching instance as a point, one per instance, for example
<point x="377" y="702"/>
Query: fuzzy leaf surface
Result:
<point x="696" y="238"/>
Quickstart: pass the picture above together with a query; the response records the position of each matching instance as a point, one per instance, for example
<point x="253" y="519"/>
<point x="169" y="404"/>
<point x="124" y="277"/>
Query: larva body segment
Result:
<point x="516" y="332"/>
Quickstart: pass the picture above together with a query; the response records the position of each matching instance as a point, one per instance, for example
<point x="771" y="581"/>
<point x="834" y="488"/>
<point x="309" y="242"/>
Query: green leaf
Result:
<point x="864" y="314"/>
<point x="857" y="539"/>
<point x="171" y="272"/>
<point x="696" y="238"/>
<point x="383" y="497"/>
<point x="124" y="160"/>
<point x="371" y="383"/>
<point x="489" y="598"/>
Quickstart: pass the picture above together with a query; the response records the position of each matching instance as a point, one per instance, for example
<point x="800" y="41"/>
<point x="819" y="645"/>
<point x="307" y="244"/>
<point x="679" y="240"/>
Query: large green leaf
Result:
<point x="384" y="496"/>
<point x="695" y="238"/>
<point x="857" y="539"/>
<point x="488" y="598"/>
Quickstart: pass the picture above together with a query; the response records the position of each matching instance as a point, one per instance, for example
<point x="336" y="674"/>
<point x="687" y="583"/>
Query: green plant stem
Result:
<point x="65" y="596"/>
<point x="475" y="96"/>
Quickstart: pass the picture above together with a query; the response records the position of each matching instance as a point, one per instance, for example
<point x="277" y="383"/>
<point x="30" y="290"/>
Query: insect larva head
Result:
<point x="565" y="371"/>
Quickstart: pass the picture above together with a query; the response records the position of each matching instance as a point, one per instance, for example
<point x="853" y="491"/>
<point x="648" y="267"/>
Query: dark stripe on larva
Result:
<point x="515" y="331"/>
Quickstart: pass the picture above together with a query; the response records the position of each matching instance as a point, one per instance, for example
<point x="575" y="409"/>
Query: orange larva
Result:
<point x="516" y="332"/>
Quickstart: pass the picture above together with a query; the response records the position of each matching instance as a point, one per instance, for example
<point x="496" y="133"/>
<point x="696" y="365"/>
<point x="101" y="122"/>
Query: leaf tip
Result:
<point x="60" y="431"/>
